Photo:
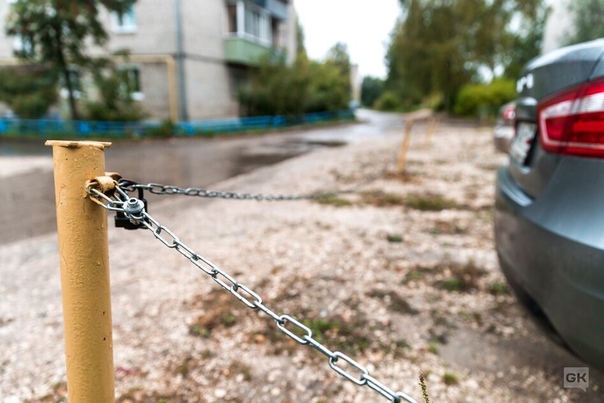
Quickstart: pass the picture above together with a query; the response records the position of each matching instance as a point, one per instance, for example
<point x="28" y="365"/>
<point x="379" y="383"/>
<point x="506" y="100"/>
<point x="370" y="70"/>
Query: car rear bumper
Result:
<point x="562" y="274"/>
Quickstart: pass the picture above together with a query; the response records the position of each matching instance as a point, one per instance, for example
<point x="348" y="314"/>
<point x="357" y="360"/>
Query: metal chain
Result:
<point x="159" y="189"/>
<point x="133" y="209"/>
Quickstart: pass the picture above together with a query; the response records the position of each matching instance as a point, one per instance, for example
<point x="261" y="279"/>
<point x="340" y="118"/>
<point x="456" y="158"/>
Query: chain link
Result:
<point x="297" y="331"/>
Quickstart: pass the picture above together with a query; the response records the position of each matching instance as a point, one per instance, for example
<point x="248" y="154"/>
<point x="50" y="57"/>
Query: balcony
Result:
<point x="240" y="50"/>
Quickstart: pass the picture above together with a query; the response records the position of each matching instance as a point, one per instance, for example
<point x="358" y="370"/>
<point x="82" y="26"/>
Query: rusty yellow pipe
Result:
<point x="84" y="261"/>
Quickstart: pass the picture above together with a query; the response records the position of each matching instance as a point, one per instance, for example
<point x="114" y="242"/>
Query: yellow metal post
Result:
<point x="402" y="158"/>
<point x="84" y="261"/>
<point x="433" y="122"/>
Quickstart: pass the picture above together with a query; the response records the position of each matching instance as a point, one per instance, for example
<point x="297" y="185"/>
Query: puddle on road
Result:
<point x="28" y="200"/>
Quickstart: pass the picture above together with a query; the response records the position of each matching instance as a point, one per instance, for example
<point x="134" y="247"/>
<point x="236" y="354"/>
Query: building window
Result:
<point x="250" y="21"/>
<point x="124" y="23"/>
<point x="132" y="82"/>
<point x="232" y="18"/>
<point x="238" y="79"/>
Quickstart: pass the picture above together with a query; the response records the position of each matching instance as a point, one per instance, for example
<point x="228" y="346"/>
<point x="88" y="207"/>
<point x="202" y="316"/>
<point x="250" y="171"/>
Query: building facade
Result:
<point x="188" y="58"/>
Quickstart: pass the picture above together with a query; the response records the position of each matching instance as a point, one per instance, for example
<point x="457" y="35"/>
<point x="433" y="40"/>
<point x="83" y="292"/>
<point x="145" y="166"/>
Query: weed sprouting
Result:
<point x="498" y="288"/>
<point x="422" y="383"/>
<point x="394" y="238"/>
<point x="450" y="379"/>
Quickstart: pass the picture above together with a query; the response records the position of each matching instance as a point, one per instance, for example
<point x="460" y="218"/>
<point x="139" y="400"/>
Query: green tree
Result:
<point x="277" y="88"/>
<point x="371" y="89"/>
<point x="114" y="101"/>
<point x="441" y="45"/>
<point x="57" y="32"/>
<point x="481" y="99"/>
<point x="300" y="48"/>
<point x="330" y="84"/>
<point x="527" y="41"/>
<point x="587" y="16"/>
<point x="29" y="90"/>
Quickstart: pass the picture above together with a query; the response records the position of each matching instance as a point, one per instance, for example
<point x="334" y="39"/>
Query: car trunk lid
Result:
<point x="550" y="84"/>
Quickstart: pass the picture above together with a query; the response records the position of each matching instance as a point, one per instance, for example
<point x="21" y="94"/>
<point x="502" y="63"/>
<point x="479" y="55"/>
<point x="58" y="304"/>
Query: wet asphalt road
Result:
<point x="27" y="200"/>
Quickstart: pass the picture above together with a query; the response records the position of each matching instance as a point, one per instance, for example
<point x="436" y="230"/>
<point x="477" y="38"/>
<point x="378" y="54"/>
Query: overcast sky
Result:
<point x="364" y="26"/>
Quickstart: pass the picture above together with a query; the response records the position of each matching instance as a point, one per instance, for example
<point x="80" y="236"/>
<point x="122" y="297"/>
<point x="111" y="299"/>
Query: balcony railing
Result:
<point x="247" y="51"/>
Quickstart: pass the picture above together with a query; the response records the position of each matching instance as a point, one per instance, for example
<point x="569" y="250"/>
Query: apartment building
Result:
<point x="188" y="57"/>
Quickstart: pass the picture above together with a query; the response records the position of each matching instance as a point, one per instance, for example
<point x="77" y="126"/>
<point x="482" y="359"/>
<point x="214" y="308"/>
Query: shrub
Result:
<point x="371" y="90"/>
<point x="480" y="99"/>
<point x="388" y="101"/>
<point x="306" y="86"/>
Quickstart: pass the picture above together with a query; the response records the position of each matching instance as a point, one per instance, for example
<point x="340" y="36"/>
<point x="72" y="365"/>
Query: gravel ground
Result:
<point x="400" y="275"/>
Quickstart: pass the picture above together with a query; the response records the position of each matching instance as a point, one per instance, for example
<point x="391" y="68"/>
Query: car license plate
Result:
<point x="525" y="133"/>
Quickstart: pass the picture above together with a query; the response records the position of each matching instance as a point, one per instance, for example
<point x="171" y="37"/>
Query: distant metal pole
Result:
<point x="433" y="123"/>
<point x="84" y="261"/>
<point x="402" y="157"/>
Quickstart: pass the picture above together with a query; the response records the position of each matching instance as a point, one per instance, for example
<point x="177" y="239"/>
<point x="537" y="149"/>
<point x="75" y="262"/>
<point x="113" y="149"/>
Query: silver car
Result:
<point x="549" y="206"/>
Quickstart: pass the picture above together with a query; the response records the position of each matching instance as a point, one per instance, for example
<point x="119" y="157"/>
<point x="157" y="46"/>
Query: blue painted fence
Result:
<point x="82" y="129"/>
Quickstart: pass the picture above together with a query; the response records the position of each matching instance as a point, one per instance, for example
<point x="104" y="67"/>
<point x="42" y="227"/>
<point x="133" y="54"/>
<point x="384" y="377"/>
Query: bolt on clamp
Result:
<point x="130" y="211"/>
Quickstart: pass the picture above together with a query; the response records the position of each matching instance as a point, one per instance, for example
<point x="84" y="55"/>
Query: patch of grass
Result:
<point x="334" y="201"/>
<point x="239" y="368"/>
<point x="452" y="284"/>
<point x="220" y="310"/>
<point x="463" y="278"/>
<point x="343" y="335"/>
<point x="394" y="301"/>
<point x="406" y="176"/>
<point x="498" y="288"/>
<point x="422" y="202"/>
<point x="185" y="367"/>
<point x="450" y="379"/>
<point x="352" y="336"/>
<point x="429" y="202"/>
<point x="398" y="348"/>
<point x="382" y="199"/>
<point x="433" y="346"/>
<point x="416" y="274"/>
<point x="447" y="228"/>
<point x="394" y="238"/>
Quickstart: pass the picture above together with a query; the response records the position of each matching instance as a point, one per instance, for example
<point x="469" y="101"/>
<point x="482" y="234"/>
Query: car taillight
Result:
<point x="573" y="122"/>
